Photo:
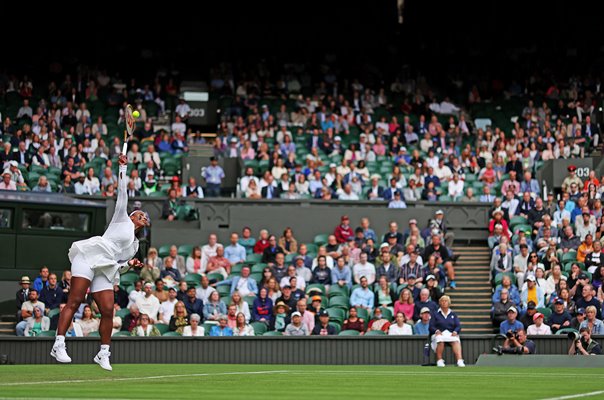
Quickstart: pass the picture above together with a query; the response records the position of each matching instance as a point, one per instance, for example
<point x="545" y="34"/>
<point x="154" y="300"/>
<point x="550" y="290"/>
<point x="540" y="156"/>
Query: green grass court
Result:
<point x="144" y="381"/>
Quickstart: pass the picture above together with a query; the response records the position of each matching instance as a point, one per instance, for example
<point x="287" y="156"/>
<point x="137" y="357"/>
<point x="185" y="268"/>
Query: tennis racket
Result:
<point x="130" y="124"/>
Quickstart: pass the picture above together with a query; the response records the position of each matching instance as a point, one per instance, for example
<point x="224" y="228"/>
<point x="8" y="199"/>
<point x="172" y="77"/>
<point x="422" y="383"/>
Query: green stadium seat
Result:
<point x="341" y="302"/>
<point x="164" y="250"/>
<point x="53" y="312"/>
<point x="566" y="331"/>
<point x="94" y="334"/>
<point x="50" y="333"/>
<point x="253" y="258"/>
<point x="363" y="314"/>
<point x="122" y="334"/>
<point x="336" y="314"/>
<point x="518" y="220"/>
<point x="569" y="257"/>
<point x="258" y="268"/>
<point x="171" y="334"/>
<point x="335" y="290"/>
<point x="375" y="333"/>
<point x="122" y="313"/>
<point x="185" y="250"/>
<point x="236" y="269"/>
<point x="215" y="277"/>
<point x="162" y="328"/>
<point x="224" y="290"/>
<point x="129" y="278"/>
<point x="349" y="332"/>
<point x="386" y="313"/>
<point x="259" y="328"/>
<point x="336" y="326"/>
<point x="192" y="279"/>
<point x="272" y="333"/>
<point x="321" y="238"/>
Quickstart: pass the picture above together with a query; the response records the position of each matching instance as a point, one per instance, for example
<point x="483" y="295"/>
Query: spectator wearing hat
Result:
<point x="585" y="345"/>
<point x="323" y="328"/>
<point x="538" y="327"/>
<point x="559" y="318"/>
<point x="280" y="314"/>
<point x="7" y="183"/>
<point x="422" y="325"/>
<point x="511" y="324"/>
<point x="296" y="327"/>
<point x="571" y="178"/>
<point x="397" y="201"/>
<point x="22" y="294"/>
<point x="578" y="319"/>
<point x="532" y="292"/>
<point x="222" y="329"/>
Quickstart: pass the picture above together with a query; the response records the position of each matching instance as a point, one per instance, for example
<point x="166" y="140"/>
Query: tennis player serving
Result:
<point x="96" y="263"/>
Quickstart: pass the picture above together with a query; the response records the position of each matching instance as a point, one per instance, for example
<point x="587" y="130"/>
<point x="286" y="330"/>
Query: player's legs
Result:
<point x="104" y="300"/>
<point x="102" y="291"/>
<point x="77" y="294"/>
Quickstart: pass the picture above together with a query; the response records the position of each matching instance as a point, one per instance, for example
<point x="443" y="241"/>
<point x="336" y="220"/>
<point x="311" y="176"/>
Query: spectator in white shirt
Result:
<point x="538" y="327"/>
<point x="182" y="109"/>
<point x="152" y="155"/>
<point x="401" y="327"/>
<point x="148" y="304"/>
<point x="166" y="309"/>
<point x="456" y="187"/>
<point x="364" y="268"/>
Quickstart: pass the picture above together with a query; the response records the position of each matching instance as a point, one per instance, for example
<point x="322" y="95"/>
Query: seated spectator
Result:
<point x="344" y="231"/>
<point x="159" y="292"/>
<point x="405" y="304"/>
<point x="270" y="252"/>
<point x="321" y="274"/>
<point x="52" y="294"/>
<point x="222" y="329"/>
<point x="514" y="294"/>
<point x="7" y="183"/>
<point x="37" y="323"/>
<point x="145" y="327"/>
<point x="527" y="318"/>
<point x="445" y="328"/>
<point x="148" y="303"/>
<point x="532" y="292"/>
<point x="354" y="322"/>
<point x="253" y="191"/>
<point x="244" y="284"/>
<point x="400" y="327"/>
<point x="280" y="313"/>
<point x="585" y="345"/>
<point x="170" y="274"/>
<point x="242" y="328"/>
<point x="214" y="307"/>
<point x="422" y="325"/>
<point x="88" y="323"/>
<point x="131" y="320"/>
<point x="27" y="310"/>
<point x="246" y="240"/>
<point x="511" y="324"/>
<point x="235" y="252"/>
<point x="424" y="301"/>
<point x="170" y="206"/>
<point x="560" y="318"/>
<point x="364" y="269"/>
<point x="193" y="264"/>
<point x="323" y="328"/>
<point x="587" y="298"/>
<point x="262" y="307"/>
<point x="219" y="264"/>
<point x="595" y="325"/>
<point x="296" y="327"/>
<point x="378" y="322"/>
<point x="166" y="308"/>
<point x="501" y="307"/>
<point x="193" y="304"/>
<point x="179" y="318"/>
<point x="501" y="261"/>
<point x="384" y="294"/>
<point x="194" y="329"/>
<point x="538" y="327"/>
<point x="362" y="296"/>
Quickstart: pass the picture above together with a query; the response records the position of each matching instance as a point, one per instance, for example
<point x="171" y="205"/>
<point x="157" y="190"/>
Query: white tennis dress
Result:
<point x="99" y="258"/>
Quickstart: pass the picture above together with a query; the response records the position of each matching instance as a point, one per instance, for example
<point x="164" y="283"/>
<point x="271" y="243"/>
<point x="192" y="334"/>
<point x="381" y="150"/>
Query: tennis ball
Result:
<point x="136" y="114"/>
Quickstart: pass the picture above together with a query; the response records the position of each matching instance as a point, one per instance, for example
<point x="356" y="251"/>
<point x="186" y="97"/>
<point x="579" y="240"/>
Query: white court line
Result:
<point x="466" y="372"/>
<point x="139" y="378"/>
<point x="576" y="396"/>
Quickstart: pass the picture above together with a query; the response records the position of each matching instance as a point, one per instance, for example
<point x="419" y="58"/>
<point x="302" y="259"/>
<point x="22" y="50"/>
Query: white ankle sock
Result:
<point x="60" y="339"/>
<point x="104" y="347"/>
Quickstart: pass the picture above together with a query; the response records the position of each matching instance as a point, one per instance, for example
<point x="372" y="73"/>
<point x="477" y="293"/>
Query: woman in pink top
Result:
<point x="405" y="304"/>
<point x="378" y="148"/>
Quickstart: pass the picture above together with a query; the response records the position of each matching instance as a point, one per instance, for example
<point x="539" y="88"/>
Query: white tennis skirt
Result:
<point x="98" y="280"/>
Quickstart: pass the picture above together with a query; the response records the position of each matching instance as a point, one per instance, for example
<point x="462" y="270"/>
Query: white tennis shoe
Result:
<point x="102" y="358"/>
<point x="59" y="352"/>
<point x="460" y="363"/>
<point x="440" y="363"/>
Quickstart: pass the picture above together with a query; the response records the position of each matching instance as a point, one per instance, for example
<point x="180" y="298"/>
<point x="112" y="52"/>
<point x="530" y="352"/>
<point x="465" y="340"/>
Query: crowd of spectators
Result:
<point x="546" y="264"/>
<point x="351" y="281"/>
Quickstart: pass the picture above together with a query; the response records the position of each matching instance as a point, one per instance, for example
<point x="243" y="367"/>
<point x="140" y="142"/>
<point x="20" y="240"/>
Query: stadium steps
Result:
<point x="7" y="325"/>
<point x="472" y="297"/>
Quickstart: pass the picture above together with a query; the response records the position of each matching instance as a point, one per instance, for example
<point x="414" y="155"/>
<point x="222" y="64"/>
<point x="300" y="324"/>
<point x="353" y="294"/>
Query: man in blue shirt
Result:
<point x="213" y="175"/>
<point x="235" y="252"/>
<point x="341" y="274"/>
<point x="422" y="326"/>
<point x="511" y="324"/>
<point x="362" y="296"/>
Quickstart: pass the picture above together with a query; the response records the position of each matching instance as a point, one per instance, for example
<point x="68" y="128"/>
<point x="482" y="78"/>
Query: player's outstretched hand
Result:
<point x="123" y="160"/>
<point x="135" y="263"/>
